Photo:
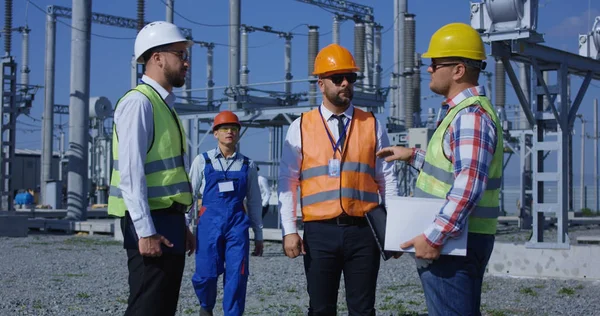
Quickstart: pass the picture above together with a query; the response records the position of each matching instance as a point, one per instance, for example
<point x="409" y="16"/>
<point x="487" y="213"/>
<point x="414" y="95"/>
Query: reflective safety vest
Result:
<point x="437" y="176"/>
<point x="166" y="178"/>
<point x="355" y="191"/>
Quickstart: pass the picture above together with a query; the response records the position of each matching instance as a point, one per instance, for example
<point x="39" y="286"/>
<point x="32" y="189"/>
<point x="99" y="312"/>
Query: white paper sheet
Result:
<point x="408" y="217"/>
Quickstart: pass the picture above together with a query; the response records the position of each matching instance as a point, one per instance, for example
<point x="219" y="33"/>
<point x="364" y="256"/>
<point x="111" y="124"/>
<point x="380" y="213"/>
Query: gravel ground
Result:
<point x="50" y="274"/>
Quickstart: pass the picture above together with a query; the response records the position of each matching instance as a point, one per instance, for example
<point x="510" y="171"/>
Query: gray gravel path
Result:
<point x="47" y="274"/>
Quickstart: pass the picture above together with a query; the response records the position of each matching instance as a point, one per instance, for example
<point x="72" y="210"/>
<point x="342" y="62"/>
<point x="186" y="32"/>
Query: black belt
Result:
<point x="175" y="208"/>
<point x="345" y="220"/>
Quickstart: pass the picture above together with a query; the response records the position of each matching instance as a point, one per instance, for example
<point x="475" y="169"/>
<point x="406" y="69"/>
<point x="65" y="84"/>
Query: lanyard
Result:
<point x="334" y="145"/>
<point x="229" y="166"/>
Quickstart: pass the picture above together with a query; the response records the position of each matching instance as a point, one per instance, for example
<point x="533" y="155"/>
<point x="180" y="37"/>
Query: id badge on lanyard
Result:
<point x="334" y="167"/>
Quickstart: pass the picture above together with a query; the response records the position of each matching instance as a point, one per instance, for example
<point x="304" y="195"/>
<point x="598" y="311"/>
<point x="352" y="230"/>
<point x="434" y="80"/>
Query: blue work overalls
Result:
<point x="222" y="238"/>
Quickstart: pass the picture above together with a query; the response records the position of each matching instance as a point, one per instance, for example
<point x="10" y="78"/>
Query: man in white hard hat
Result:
<point x="150" y="190"/>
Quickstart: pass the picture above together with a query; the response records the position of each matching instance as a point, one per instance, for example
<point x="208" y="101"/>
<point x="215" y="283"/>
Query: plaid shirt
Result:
<point x="469" y="143"/>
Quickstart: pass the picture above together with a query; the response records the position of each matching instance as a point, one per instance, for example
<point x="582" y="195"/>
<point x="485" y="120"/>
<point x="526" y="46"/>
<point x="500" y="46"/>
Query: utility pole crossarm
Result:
<point x="342" y="6"/>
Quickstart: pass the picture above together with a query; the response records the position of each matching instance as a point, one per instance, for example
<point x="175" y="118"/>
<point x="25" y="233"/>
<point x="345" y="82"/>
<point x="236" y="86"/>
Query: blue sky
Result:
<point x="560" y="21"/>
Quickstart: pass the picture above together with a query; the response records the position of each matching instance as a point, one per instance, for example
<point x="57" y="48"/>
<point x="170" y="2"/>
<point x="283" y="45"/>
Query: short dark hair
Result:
<point x="147" y="54"/>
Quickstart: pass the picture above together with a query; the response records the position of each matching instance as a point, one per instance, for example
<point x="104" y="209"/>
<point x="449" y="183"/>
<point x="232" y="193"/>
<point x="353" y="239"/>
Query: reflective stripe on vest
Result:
<point x="166" y="179"/>
<point x="355" y="191"/>
<point x="437" y="175"/>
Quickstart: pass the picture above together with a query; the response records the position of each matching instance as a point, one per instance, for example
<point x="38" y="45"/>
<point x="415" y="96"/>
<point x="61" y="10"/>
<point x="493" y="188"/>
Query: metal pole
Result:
<point x="209" y="75"/>
<point x="596" y="136"/>
<point x="25" y="58"/>
<point x="244" y="57"/>
<point x="400" y="8"/>
<point x="48" y="118"/>
<point x="377" y="57"/>
<point x="359" y="53"/>
<point x="234" y="47"/>
<point x="335" y="31"/>
<point x="288" y="65"/>
<point x="368" y="72"/>
<point x="409" y="65"/>
<point x="581" y="182"/>
<point x="313" y="50"/>
<point x="170" y="6"/>
<point x="79" y="110"/>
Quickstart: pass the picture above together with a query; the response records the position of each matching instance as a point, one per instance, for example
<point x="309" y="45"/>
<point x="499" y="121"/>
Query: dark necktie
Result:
<point x="341" y="130"/>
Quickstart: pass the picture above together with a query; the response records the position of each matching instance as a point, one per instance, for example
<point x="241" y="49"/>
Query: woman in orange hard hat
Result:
<point x="463" y="165"/>
<point x="330" y="153"/>
<point x="225" y="178"/>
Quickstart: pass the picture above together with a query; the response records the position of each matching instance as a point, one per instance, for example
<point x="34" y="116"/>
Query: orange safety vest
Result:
<point x="355" y="191"/>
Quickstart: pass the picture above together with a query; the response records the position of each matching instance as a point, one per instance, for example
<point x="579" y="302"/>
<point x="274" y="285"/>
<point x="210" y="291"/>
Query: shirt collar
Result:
<point x="467" y="93"/>
<point x="218" y="154"/>
<point x="328" y="114"/>
<point x="169" y="97"/>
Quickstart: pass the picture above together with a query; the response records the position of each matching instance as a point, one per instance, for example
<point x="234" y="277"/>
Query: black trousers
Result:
<point x="265" y="209"/>
<point x="331" y="250"/>
<point x="154" y="282"/>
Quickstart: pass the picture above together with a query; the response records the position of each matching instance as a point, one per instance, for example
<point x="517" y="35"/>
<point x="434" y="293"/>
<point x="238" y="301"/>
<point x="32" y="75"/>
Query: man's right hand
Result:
<point x="293" y="245"/>
<point x="150" y="246"/>
<point x="395" y="153"/>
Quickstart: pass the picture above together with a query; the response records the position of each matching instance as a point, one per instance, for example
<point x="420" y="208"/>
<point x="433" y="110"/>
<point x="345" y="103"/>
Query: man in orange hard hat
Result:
<point x="225" y="178"/>
<point x="463" y="165"/>
<point x="330" y="153"/>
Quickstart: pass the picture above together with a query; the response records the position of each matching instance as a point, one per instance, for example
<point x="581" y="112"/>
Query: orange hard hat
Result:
<point x="334" y="58"/>
<point x="226" y="117"/>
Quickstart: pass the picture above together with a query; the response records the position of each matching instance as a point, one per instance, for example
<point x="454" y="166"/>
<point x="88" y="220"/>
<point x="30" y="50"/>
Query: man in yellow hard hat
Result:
<point x="330" y="153"/>
<point x="463" y="165"/>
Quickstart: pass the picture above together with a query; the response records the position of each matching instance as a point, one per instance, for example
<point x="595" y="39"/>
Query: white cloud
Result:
<point x="572" y="26"/>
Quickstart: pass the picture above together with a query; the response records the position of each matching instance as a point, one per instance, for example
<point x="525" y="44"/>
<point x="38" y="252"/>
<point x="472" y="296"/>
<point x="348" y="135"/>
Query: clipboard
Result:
<point x="377" y="218"/>
<point x="410" y="216"/>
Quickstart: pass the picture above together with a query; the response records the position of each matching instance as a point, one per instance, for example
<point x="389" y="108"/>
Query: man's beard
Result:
<point x="338" y="101"/>
<point x="175" y="78"/>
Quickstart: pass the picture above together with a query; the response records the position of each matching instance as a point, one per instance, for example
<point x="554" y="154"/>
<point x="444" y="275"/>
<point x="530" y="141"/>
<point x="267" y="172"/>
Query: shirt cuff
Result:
<point x="434" y="236"/>
<point x="144" y="227"/>
<point x="289" y="228"/>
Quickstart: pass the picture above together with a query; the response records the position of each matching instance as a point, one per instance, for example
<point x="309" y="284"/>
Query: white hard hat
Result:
<point x="156" y="34"/>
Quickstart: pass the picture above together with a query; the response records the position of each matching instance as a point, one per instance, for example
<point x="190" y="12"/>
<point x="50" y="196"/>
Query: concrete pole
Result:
<point x="582" y="168"/>
<point x="335" y="31"/>
<point x="48" y="117"/>
<point x="234" y="47"/>
<point x="170" y="10"/>
<point x="79" y="110"/>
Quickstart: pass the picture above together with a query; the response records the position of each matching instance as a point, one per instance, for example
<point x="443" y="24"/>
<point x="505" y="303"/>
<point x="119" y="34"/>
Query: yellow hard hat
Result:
<point x="456" y="40"/>
<point x="334" y="59"/>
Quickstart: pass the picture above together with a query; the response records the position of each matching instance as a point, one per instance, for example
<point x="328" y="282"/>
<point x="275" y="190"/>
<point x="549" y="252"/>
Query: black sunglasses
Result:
<point x="337" y="79"/>
<point x="182" y="54"/>
<point x="435" y="66"/>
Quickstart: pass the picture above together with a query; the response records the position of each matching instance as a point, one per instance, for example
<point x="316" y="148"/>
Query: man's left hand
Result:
<point x="258" y="248"/>
<point x="190" y="242"/>
<point x="422" y="248"/>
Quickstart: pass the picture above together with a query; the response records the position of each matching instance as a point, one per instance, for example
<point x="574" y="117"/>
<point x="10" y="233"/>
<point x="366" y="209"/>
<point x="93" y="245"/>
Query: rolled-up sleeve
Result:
<point x="385" y="174"/>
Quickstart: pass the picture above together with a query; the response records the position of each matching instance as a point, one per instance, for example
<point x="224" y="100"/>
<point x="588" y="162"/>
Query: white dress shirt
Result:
<point x="291" y="158"/>
<point x="235" y="163"/>
<point x="265" y="190"/>
<point x="134" y="122"/>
